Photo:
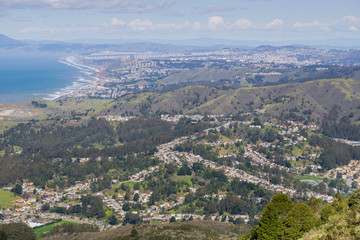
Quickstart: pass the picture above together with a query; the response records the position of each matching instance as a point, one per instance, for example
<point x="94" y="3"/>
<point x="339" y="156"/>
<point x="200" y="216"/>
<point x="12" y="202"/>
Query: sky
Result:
<point x="272" y="20"/>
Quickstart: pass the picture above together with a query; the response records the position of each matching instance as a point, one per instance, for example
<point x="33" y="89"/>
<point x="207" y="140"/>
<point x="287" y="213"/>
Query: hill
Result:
<point x="6" y="41"/>
<point x="168" y="231"/>
<point x="298" y="101"/>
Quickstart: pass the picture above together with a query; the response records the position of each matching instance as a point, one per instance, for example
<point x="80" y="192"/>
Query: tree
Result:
<point x="45" y="207"/>
<point x="172" y="219"/>
<point x="136" y="197"/>
<point x="282" y="204"/>
<point x="132" y="218"/>
<point x="92" y="206"/>
<point x="301" y="219"/>
<point x="113" y="220"/>
<point x="256" y="122"/>
<point x="17" y="189"/>
<point x="184" y="170"/>
<point x="127" y="196"/>
<point x="270" y="225"/>
<point x="126" y="206"/>
<point x="18" y="231"/>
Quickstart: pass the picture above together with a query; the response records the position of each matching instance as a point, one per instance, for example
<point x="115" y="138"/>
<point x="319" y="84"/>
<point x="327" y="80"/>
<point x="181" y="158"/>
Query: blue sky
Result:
<point x="273" y="20"/>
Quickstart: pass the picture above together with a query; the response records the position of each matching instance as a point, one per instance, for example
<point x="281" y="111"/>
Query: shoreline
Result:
<point x="84" y="79"/>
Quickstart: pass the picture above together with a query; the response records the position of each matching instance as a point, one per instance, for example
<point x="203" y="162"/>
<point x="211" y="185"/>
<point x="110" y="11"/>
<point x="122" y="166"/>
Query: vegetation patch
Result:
<point x="39" y="231"/>
<point x="6" y="197"/>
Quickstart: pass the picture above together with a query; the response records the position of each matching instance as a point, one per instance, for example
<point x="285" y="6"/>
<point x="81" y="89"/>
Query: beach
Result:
<point x="85" y="78"/>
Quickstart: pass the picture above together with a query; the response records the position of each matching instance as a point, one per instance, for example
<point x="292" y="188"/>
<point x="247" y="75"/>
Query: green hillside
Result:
<point x="298" y="100"/>
<point x="164" y="231"/>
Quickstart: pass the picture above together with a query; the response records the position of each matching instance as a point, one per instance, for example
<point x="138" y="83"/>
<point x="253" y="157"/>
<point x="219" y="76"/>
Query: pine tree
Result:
<point x="270" y="225"/>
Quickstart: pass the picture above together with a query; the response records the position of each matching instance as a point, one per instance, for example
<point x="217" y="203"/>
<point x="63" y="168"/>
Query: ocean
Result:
<point x="23" y="78"/>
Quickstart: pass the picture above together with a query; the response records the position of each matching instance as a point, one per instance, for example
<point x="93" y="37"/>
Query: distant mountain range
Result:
<point x="206" y="42"/>
<point x="12" y="46"/>
<point x="6" y="41"/>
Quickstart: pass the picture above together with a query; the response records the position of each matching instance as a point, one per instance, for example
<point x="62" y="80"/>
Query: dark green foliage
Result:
<point x="270" y="225"/>
<point x="300" y="220"/>
<point x="282" y="219"/>
<point x="49" y="149"/>
<point x="282" y="204"/>
<point x="61" y="210"/>
<point x="172" y="219"/>
<point x="92" y="206"/>
<point x="45" y="207"/>
<point x="184" y="170"/>
<point x="17" y="231"/>
<point x="234" y="205"/>
<point x="38" y="105"/>
<point x="335" y="153"/>
<point x="17" y="189"/>
<point x="113" y="220"/>
<point x="256" y="121"/>
<point x="3" y="235"/>
<point x="141" y="128"/>
<point x="71" y="229"/>
<point x="342" y="129"/>
<point x="132" y="218"/>
<point x="136" y="197"/>
<point x="101" y="184"/>
<point x="126" y="206"/>
<point x="50" y="139"/>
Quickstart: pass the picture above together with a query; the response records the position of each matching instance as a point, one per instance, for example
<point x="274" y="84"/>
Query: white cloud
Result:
<point x="38" y="30"/>
<point x="355" y="29"/>
<point x="244" y="24"/>
<point x="347" y="20"/>
<point x="141" y="25"/>
<point x="276" y="23"/>
<point x="215" y="22"/>
<point x="196" y="25"/>
<point x="115" y="21"/>
<point x="312" y="25"/>
<point x="345" y="23"/>
<point x="168" y="26"/>
<point x="218" y="23"/>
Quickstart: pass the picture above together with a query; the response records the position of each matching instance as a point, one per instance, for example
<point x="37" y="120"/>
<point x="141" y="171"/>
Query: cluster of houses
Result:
<point x="29" y="209"/>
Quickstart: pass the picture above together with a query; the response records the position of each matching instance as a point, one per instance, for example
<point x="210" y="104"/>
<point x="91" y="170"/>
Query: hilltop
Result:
<point x="299" y="100"/>
<point x="181" y="230"/>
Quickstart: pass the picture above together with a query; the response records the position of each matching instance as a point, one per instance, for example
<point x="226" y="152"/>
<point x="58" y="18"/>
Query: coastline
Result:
<point x="86" y="77"/>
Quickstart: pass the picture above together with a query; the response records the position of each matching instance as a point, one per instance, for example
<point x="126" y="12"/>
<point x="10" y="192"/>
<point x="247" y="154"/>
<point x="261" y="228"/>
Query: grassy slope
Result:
<point x="184" y="230"/>
<point x="318" y="96"/>
<point x="343" y="222"/>
<point x="5" y="198"/>
<point x="47" y="228"/>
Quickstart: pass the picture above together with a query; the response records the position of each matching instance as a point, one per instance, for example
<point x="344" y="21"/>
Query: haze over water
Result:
<point x="23" y="78"/>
